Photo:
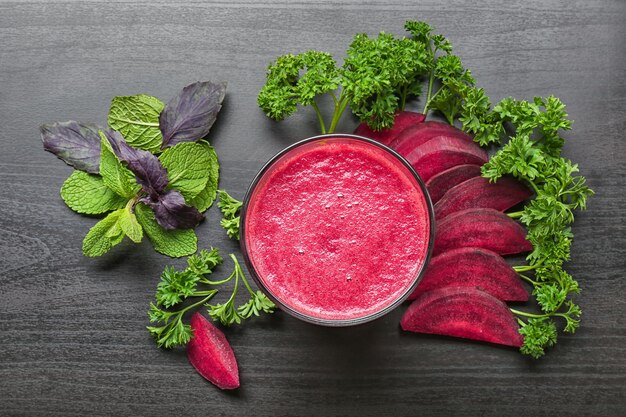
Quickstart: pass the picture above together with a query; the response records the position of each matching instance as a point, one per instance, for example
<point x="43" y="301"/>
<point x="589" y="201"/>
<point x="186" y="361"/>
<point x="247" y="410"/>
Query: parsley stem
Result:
<point x="225" y="280"/>
<point x="516" y="214"/>
<point x="525" y="268"/>
<point x="319" y="116"/>
<point x="524" y="314"/>
<point x="194" y="305"/>
<point x="241" y="274"/>
<point x="540" y="316"/>
<point x="527" y="279"/>
<point x="339" y="108"/>
<point x="403" y="97"/>
<point x="431" y="77"/>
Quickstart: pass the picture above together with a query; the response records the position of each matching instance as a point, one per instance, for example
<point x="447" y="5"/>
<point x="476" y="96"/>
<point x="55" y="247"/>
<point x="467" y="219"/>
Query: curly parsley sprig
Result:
<point x="176" y="287"/>
<point x="229" y="206"/>
<point x="378" y="76"/>
<point x="531" y="131"/>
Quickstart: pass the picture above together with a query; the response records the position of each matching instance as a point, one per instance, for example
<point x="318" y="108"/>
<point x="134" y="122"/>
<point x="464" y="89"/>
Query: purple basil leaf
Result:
<point x="190" y="115"/>
<point x="171" y="211"/>
<point x="77" y="144"/>
<point x="149" y="172"/>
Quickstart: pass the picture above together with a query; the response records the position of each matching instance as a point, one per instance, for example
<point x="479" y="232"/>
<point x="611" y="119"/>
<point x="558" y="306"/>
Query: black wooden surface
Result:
<point x="72" y="329"/>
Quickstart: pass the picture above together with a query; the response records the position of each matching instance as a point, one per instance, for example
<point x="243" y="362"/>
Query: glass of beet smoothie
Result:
<point x="337" y="229"/>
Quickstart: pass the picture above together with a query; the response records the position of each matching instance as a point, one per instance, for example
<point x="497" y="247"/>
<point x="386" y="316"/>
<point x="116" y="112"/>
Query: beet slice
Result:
<point x="444" y="152"/>
<point x="476" y="268"/>
<point x="478" y="192"/>
<point x="463" y="312"/>
<point x="438" y="184"/>
<point x="210" y="353"/>
<point x="481" y="228"/>
<point x="416" y="135"/>
<point x="402" y="120"/>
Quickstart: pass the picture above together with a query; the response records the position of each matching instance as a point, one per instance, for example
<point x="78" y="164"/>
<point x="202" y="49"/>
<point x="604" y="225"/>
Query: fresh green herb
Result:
<point x="230" y="208"/>
<point x="155" y="184"/>
<point x="377" y="77"/>
<point x="192" y="283"/>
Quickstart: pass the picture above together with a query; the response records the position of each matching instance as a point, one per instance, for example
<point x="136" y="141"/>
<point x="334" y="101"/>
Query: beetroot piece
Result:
<point x="403" y="120"/>
<point x="211" y="355"/>
<point x="416" y="135"/>
<point x="463" y="312"/>
<point x="476" y="268"/>
<point x="438" y="184"/>
<point x="478" y="192"/>
<point x="444" y="152"/>
<point x="481" y="228"/>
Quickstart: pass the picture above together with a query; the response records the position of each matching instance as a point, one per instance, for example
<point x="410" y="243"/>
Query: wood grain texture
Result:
<point x="72" y="330"/>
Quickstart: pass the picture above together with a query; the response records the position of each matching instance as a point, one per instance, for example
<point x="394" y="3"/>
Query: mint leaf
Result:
<point x="86" y="193"/>
<point x="187" y="167"/>
<point x="137" y="119"/>
<point x="130" y="226"/>
<point x="104" y="235"/>
<point x="205" y="198"/>
<point x="116" y="176"/>
<point x="173" y="243"/>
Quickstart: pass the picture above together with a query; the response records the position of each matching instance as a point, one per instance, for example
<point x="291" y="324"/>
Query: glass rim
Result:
<point x="317" y="320"/>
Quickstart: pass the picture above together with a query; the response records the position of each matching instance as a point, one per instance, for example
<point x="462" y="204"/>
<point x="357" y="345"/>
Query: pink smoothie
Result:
<point x="337" y="229"/>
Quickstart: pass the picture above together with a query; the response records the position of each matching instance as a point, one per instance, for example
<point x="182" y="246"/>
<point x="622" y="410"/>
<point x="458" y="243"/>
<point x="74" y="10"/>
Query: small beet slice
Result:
<point x="476" y="268"/>
<point x="463" y="312"/>
<point x="210" y="353"/>
<point x="438" y="184"/>
<point x="444" y="152"/>
<point x="416" y="135"/>
<point x="402" y="120"/>
<point x="482" y="228"/>
<point x="478" y="192"/>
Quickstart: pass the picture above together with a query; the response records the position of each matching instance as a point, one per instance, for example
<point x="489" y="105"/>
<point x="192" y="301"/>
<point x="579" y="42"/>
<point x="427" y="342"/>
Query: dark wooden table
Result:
<point x="72" y="329"/>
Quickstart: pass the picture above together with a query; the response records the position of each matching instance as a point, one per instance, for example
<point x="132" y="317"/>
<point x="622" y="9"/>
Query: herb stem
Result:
<point x="524" y="277"/>
<point x="403" y="97"/>
<point x="196" y="304"/>
<point x="339" y="108"/>
<point x="516" y="214"/>
<point x="319" y="116"/>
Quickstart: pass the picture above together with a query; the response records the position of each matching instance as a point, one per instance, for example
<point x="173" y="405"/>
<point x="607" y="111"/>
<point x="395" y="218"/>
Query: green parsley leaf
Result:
<point x="376" y="74"/>
<point x="86" y="193"/>
<point x="230" y="209"/>
<point x="137" y="119"/>
<point x="539" y="333"/>
<point x="204" y="262"/>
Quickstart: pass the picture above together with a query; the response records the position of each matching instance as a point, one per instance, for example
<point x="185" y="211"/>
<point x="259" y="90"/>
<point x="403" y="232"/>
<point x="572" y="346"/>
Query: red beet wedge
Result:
<point x="463" y="312"/>
<point x="438" y="184"/>
<point x="478" y="192"/>
<point x="442" y="153"/>
<point x="481" y="228"/>
<point x="211" y="355"/>
<point x="416" y="135"/>
<point x="403" y="120"/>
<point x="475" y="268"/>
